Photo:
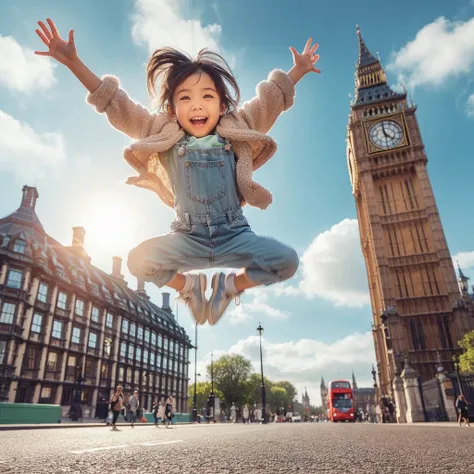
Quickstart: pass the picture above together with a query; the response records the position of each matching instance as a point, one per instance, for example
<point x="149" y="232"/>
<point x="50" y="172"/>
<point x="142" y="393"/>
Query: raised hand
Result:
<point x="305" y="62"/>
<point x="63" y="51"/>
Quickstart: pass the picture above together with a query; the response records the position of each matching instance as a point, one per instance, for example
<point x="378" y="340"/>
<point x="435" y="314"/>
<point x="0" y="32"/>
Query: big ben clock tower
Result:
<point x="418" y="311"/>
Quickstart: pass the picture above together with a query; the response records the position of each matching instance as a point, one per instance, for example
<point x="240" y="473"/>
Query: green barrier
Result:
<point x="177" y="418"/>
<point x="29" y="413"/>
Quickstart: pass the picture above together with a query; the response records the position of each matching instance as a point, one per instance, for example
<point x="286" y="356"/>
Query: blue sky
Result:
<point x="318" y="323"/>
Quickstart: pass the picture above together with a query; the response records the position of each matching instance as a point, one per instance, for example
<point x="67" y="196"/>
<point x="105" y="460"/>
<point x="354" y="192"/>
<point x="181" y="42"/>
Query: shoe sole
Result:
<point x="203" y="283"/>
<point x="214" y="285"/>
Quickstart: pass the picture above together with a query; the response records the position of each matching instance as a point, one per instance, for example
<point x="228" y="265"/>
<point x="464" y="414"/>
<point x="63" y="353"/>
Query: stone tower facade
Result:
<point x="418" y="309"/>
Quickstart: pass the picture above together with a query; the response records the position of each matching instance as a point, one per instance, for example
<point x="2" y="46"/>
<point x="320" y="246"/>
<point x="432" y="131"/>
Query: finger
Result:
<point x="54" y="30"/>
<point x="314" y="48"/>
<point x="45" y="30"/>
<point x="71" y="37"/>
<point x="43" y="37"/>
<point x="316" y="70"/>
<point x="308" y="43"/>
<point x="293" y="52"/>
<point x="42" y="53"/>
<point x="315" y="59"/>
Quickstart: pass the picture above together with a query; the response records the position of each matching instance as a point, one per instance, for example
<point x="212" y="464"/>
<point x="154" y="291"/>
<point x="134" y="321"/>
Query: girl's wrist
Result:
<point x="295" y="74"/>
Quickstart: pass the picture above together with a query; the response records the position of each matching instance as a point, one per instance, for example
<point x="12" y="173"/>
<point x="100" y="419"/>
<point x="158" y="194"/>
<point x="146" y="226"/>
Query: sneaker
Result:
<point x="220" y="298"/>
<point x="196" y="298"/>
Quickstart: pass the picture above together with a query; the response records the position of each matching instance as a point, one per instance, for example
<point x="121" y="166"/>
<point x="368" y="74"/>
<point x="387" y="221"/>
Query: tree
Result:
<point x="466" y="361"/>
<point x="289" y="387"/>
<point x="254" y="388"/>
<point x="278" y="397"/>
<point x="203" y="389"/>
<point x="231" y="376"/>
<point x="317" y="410"/>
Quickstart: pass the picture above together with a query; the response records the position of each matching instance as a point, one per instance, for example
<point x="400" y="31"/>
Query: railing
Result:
<point x="7" y="370"/>
<point x="30" y="373"/>
<point x="52" y="375"/>
<point x="78" y="347"/>
<point x="11" y="329"/>
<point x="93" y="350"/>
<point x="38" y="337"/>
<point x="57" y="342"/>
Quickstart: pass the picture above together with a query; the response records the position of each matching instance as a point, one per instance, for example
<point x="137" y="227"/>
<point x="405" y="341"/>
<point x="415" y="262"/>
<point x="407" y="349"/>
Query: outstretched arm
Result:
<point x="276" y="95"/>
<point x="123" y="113"/>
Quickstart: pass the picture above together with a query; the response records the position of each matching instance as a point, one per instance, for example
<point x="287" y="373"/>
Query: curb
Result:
<point x="67" y="425"/>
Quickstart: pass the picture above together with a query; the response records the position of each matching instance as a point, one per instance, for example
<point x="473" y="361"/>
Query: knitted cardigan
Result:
<point x="156" y="133"/>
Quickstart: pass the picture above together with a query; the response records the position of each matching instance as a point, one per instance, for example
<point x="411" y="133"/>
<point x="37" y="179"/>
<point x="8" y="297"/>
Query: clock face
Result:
<point x="386" y="134"/>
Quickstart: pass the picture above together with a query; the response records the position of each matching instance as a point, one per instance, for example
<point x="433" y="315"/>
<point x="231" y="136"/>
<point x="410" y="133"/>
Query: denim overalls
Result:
<point x="210" y="229"/>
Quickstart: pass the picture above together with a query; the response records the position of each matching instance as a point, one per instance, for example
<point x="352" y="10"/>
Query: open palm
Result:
<point x="307" y="60"/>
<point x="63" y="51"/>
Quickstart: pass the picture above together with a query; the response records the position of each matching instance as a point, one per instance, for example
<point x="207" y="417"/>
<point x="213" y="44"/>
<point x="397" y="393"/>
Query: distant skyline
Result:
<point x="319" y="323"/>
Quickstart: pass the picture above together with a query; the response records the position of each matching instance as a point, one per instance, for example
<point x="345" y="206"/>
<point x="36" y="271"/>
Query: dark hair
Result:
<point x="173" y="67"/>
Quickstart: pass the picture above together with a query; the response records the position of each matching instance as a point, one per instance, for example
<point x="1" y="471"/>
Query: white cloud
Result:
<point x="465" y="259"/>
<point x="303" y="362"/>
<point x="470" y="106"/>
<point x="441" y="50"/>
<point x="333" y="266"/>
<point x="161" y="22"/>
<point x="21" y="70"/>
<point x="25" y="152"/>
<point x="257" y="306"/>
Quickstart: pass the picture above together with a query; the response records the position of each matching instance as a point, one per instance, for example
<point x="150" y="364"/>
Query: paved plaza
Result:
<point x="273" y="448"/>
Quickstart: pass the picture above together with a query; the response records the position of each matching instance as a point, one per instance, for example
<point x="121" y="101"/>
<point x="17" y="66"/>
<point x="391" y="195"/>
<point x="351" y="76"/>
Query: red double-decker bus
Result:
<point x="340" y="401"/>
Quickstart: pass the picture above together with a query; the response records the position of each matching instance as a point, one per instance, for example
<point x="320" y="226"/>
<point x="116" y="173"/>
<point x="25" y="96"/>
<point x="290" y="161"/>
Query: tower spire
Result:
<point x="370" y="79"/>
<point x="354" y="383"/>
<point x="463" y="280"/>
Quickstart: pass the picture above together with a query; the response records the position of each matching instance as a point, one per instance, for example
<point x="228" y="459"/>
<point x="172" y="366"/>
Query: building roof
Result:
<point x="72" y="267"/>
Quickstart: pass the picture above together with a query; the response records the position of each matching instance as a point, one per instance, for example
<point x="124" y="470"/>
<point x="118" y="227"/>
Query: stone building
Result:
<point x="418" y="309"/>
<point x="64" y="322"/>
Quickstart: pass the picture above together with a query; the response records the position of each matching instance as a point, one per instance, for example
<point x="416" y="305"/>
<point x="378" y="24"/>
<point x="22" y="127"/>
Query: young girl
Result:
<point x="198" y="156"/>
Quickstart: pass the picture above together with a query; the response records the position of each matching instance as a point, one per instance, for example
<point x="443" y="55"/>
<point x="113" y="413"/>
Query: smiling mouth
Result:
<point x="198" y="121"/>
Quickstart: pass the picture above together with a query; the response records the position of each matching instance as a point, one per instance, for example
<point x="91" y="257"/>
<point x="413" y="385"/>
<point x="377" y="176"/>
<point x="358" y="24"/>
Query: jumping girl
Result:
<point x="198" y="155"/>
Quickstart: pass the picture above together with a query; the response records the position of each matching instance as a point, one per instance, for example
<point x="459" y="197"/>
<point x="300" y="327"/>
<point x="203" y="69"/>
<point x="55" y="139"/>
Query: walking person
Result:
<point x="461" y="406"/>
<point x="233" y="413"/>
<point x="154" y="410"/>
<point x="169" y="411"/>
<point x="161" y="410"/>
<point x="116" y="405"/>
<point x="198" y="154"/>
<point x="133" y="406"/>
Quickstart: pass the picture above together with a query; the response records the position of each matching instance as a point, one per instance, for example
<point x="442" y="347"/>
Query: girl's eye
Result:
<point x="184" y="97"/>
<point x="209" y="96"/>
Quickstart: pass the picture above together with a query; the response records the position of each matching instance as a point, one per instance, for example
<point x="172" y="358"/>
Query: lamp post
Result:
<point x="212" y="399"/>
<point x="194" y="416"/>
<point x="374" y="376"/>
<point x="264" y="414"/>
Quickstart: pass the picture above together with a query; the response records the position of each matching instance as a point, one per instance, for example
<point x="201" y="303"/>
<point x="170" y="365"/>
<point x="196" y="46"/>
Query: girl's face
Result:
<point x="197" y="106"/>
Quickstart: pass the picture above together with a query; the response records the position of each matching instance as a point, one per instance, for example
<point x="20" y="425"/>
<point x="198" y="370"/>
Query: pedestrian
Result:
<point x="463" y="412"/>
<point x="161" y="410"/>
<point x="116" y="405"/>
<point x="246" y="414"/>
<point x="233" y="413"/>
<point x="154" y="411"/>
<point x="198" y="155"/>
<point x="133" y="406"/>
<point x="379" y="413"/>
<point x="169" y="411"/>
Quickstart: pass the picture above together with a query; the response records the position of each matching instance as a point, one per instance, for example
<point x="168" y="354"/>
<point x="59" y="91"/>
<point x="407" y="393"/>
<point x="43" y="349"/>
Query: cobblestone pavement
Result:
<point x="274" y="448"/>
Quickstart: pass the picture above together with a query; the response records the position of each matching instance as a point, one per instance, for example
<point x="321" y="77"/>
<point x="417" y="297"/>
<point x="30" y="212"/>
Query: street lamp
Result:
<point x="212" y="398"/>
<point x="194" y="416"/>
<point x="374" y="376"/>
<point x="264" y="414"/>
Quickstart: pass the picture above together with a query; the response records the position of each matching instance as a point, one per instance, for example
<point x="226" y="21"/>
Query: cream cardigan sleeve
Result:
<point x="274" y="96"/>
<point x="122" y="112"/>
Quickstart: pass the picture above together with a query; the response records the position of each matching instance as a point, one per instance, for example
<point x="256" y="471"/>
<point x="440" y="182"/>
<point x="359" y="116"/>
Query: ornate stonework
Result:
<point x="417" y="306"/>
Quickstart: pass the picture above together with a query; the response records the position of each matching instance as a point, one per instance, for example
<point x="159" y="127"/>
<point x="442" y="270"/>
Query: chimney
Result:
<point x="116" y="267"/>
<point x="141" y="288"/>
<point x="166" y="300"/>
<point x="30" y="195"/>
<point x="78" y="234"/>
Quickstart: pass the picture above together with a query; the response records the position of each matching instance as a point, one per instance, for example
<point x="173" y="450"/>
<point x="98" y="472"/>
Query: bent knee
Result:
<point x="291" y="264"/>
<point x="139" y="266"/>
